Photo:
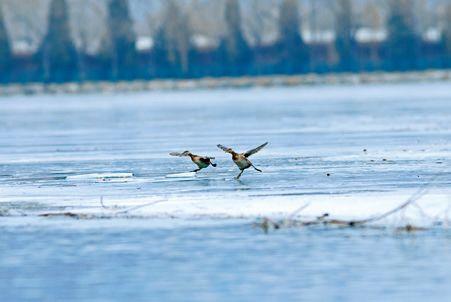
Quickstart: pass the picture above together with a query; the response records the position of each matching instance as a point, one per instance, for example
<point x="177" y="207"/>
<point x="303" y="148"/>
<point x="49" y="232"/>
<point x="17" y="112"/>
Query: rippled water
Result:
<point x="62" y="153"/>
<point x="131" y="261"/>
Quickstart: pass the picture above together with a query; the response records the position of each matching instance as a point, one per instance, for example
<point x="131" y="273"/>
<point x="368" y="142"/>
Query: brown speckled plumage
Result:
<point x="202" y="162"/>
<point x="241" y="159"/>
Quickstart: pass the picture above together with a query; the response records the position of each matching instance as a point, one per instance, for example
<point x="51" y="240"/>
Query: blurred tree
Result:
<point x="261" y="21"/>
<point x="236" y="53"/>
<point x="120" y="45"/>
<point x="403" y="41"/>
<point x="205" y="17"/>
<point x="172" y="41"/>
<point x="5" y="49"/>
<point x="57" y="51"/>
<point x="28" y="20"/>
<point x="88" y="24"/>
<point x="345" y="42"/>
<point x="294" y="52"/>
<point x="447" y="35"/>
<point x="372" y="18"/>
<point x="314" y="29"/>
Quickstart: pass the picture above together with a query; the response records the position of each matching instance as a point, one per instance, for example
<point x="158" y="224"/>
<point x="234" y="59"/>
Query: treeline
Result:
<point x="173" y="54"/>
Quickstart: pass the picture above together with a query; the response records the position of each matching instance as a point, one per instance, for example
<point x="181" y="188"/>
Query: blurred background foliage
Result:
<point x="81" y="40"/>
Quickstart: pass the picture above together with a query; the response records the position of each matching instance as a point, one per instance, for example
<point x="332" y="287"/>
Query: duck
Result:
<point x="202" y="162"/>
<point x="242" y="159"/>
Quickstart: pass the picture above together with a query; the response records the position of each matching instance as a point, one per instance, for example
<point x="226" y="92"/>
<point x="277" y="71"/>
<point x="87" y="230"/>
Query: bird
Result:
<point x="241" y="159"/>
<point x="201" y="161"/>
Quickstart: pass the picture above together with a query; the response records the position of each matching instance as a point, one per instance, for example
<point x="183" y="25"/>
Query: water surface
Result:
<point x="350" y="151"/>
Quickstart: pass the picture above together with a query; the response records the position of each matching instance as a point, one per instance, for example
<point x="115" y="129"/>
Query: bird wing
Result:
<point x="177" y="154"/>
<point x="253" y="151"/>
<point x="226" y="149"/>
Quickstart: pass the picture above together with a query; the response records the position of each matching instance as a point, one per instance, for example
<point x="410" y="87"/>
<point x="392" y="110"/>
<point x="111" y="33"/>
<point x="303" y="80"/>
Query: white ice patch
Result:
<point x="182" y="175"/>
<point x="430" y="209"/>
<point x="101" y="177"/>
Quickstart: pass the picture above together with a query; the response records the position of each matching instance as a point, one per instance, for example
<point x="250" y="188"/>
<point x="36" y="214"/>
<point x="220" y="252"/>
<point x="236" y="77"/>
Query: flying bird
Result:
<point x="241" y="159"/>
<point x="201" y="161"/>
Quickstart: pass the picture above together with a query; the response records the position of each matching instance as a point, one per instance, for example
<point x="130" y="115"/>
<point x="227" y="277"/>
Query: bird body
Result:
<point x="241" y="159"/>
<point x="202" y="162"/>
<point x="242" y="162"/>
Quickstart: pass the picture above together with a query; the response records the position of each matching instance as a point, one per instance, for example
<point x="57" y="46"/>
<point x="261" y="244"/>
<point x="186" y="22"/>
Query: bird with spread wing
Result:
<point x="241" y="159"/>
<point x="202" y="162"/>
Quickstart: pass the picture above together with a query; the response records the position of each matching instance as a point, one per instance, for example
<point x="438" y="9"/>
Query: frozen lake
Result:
<point x="168" y="235"/>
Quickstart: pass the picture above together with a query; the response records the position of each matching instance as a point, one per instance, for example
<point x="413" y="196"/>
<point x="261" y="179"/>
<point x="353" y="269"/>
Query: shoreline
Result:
<point x="226" y="82"/>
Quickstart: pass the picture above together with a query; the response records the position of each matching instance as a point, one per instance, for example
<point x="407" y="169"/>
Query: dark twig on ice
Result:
<point x="295" y="213"/>
<point x="101" y="203"/>
<point x="116" y="213"/>
<point x="325" y="219"/>
<point x="64" y="214"/>
<point x="126" y="211"/>
<point x="416" y="196"/>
